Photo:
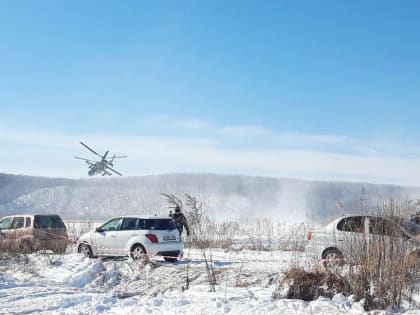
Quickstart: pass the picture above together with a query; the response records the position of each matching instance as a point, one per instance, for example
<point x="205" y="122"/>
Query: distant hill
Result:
<point x="225" y="196"/>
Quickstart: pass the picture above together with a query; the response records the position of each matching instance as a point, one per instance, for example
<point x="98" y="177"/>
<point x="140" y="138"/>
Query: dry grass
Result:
<point x="310" y="285"/>
<point x="380" y="265"/>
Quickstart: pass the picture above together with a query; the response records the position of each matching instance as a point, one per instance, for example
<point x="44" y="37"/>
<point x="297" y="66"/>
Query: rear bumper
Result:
<point x="169" y="254"/>
<point x="57" y="244"/>
<point x="165" y="249"/>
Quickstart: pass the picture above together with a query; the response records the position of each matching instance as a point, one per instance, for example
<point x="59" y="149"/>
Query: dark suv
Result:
<point x="27" y="233"/>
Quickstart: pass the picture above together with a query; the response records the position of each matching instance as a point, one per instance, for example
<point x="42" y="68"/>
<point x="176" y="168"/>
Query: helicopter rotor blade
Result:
<point x="120" y="157"/>
<point x="107" y="173"/>
<point x="76" y="157"/>
<point x="104" y="157"/>
<point x="89" y="149"/>
<point x="111" y="169"/>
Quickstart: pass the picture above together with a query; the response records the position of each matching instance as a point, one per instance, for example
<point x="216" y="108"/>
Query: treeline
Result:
<point x="226" y="196"/>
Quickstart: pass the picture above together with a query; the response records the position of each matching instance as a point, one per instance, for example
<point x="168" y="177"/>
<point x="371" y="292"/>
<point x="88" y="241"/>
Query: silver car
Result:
<point x="351" y="237"/>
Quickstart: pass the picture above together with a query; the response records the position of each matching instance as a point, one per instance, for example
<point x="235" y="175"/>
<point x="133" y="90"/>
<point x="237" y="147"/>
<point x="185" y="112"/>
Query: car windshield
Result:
<point x="5" y="223"/>
<point x="48" y="221"/>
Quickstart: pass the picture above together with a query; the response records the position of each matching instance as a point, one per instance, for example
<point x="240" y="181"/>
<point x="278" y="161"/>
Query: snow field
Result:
<point x="72" y="284"/>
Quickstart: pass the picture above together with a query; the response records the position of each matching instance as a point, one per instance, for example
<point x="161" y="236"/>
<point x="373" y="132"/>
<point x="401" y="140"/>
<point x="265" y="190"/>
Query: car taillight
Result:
<point x="309" y="236"/>
<point x="152" y="237"/>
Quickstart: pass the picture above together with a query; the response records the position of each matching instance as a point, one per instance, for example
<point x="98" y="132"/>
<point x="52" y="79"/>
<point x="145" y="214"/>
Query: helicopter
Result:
<point x="101" y="167"/>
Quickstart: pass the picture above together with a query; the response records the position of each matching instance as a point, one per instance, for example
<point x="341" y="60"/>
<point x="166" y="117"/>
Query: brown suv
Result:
<point x="27" y="233"/>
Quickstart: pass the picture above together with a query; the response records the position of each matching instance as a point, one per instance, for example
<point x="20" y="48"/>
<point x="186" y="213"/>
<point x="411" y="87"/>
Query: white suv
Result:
<point x="133" y="235"/>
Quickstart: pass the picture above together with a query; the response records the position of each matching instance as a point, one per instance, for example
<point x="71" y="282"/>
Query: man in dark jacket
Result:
<point x="180" y="221"/>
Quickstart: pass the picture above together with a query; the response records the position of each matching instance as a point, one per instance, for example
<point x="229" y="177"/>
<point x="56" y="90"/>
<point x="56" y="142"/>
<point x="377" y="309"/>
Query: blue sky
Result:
<point x="310" y="89"/>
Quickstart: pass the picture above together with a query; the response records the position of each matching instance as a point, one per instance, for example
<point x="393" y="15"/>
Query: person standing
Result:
<point x="180" y="221"/>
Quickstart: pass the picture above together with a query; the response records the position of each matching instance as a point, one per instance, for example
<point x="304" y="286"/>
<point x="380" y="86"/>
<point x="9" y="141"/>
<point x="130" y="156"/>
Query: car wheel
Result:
<point x="170" y="259"/>
<point x="26" y="247"/>
<point x="85" y="250"/>
<point x="59" y="250"/>
<point x="332" y="258"/>
<point x="138" y="252"/>
<point x="414" y="260"/>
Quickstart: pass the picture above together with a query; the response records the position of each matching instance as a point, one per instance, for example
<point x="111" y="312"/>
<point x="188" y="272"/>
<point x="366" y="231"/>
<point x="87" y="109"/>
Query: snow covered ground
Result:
<point x="72" y="284"/>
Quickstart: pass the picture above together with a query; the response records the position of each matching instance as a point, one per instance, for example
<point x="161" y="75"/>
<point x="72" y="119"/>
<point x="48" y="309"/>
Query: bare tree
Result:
<point x="195" y="214"/>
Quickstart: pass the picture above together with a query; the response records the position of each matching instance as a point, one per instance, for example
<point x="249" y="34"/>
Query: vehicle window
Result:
<point x="352" y="224"/>
<point x="111" y="225"/>
<point x="142" y="224"/>
<point x="160" y="224"/>
<point x="48" y="222"/>
<point x="411" y="227"/>
<point x="5" y="223"/>
<point x="18" y="222"/>
<point x="129" y="224"/>
<point x="382" y="226"/>
<point x="28" y="222"/>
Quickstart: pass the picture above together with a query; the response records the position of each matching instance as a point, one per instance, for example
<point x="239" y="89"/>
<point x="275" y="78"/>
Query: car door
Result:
<point x="16" y="231"/>
<point x="129" y="228"/>
<point x="352" y="236"/>
<point x="5" y="225"/>
<point x="386" y="238"/>
<point x="104" y="237"/>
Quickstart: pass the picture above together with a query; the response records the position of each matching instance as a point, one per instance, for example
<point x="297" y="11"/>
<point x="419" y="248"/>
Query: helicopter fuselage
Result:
<point x="97" y="168"/>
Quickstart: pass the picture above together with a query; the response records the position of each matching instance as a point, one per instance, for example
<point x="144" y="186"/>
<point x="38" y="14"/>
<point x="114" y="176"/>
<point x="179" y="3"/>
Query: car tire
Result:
<point x="26" y="247"/>
<point x="60" y="250"/>
<point x="333" y="258"/>
<point x="85" y="250"/>
<point x="138" y="252"/>
<point x="414" y="260"/>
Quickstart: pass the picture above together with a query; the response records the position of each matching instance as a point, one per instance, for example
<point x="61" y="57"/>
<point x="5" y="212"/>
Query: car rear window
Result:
<point x="48" y="221"/>
<point x="158" y="224"/>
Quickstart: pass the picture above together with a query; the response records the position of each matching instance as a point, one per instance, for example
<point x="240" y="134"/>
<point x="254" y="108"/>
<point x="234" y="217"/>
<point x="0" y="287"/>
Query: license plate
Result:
<point x="169" y="237"/>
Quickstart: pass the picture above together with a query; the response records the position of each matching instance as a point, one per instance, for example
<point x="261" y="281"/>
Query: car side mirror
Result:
<point x="99" y="229"/>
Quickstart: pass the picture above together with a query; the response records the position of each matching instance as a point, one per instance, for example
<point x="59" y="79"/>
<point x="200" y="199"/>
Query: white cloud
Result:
<point x="51" y="154"/>
<point x="166" y="121"/>
<point x="190" y="124"/>
<point x="307" y="138"/>
<point x="245" y="131"/>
